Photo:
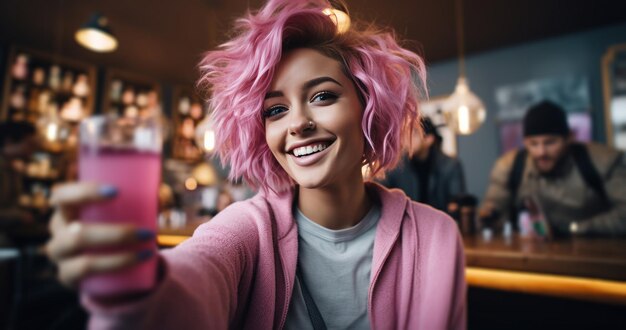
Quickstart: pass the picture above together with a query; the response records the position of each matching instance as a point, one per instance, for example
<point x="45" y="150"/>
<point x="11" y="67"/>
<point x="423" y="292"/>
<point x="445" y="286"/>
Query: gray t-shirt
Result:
<point x="336" y="266"/>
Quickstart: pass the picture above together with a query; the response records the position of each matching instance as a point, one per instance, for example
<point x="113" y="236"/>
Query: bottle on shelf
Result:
<point x="54" y="78"/>
<point x="39" y="76"/>
<point x="19" y="71"/>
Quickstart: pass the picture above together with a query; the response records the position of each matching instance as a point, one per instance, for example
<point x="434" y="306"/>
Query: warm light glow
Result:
<point x="205" y="135"/>
<point x="72" y="110"/>
<point x="340" y="18"/>
<point x="209" y="141"/>
<point x="52" y="132"/>
<point x="96" y="40"/>
<point x="365" y="171"/>
<point x="171" y="240"/>
<point x="204" y="174"/>
<point x="191" y="184"/>
<point x="572" y="287"/>
<point x="464" y="111"/>
<point x="464" y="119"/>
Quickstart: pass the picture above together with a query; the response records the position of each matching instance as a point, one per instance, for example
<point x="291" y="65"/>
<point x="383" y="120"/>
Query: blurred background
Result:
<point x="512" y="53"/>
<point x="507" y="44"/>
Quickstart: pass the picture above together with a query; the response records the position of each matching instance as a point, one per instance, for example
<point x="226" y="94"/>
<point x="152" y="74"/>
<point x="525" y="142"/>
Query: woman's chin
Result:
<point x="311" y="183"/>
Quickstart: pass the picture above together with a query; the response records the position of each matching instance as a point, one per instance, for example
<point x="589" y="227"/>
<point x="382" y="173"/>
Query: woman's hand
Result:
<point x="71" y="238"/>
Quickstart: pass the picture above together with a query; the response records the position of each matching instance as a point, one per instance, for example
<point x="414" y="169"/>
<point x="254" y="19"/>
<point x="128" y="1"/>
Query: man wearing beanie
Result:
<point x="426" y="174"/>
<point x="580" y="188"/>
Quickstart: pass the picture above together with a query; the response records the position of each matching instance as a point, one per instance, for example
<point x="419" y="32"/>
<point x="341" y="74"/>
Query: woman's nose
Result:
<point x="300" y="124"/>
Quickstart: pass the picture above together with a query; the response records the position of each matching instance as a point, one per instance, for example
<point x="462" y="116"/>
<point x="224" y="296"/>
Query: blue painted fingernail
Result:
<point x="144" y="234"/>
<point x="107" y="191"/>
<point x="144" y="255"/>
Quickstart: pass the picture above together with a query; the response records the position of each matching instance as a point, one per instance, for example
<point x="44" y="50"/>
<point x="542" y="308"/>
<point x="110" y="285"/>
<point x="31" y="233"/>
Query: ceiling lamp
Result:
<point x="464" y="111"/>
<point x="338" y="13"/>
<point x="96" y="35"/>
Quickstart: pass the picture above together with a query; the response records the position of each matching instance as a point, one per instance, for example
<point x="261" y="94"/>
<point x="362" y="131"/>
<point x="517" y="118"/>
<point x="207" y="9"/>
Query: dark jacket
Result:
<point x="446" y="179"/>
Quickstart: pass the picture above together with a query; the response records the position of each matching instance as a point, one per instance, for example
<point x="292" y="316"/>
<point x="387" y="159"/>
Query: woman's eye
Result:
<point x="273" y="111"/>
<point x="323" y="96"/>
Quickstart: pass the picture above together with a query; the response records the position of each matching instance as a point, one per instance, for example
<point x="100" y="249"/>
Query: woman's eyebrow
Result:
<point x="307" y="85"/>
<point x="271" y="94"/>
<point x="316" y="81"/>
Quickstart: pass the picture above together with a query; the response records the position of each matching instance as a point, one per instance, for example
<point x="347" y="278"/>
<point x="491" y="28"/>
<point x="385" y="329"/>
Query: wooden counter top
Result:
<point x="170" y="240"/>
<point x="600" y="258"/>
<point x="591" y="269"/>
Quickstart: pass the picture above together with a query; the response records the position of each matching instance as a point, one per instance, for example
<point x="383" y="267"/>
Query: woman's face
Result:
<point x="313" y="120"/>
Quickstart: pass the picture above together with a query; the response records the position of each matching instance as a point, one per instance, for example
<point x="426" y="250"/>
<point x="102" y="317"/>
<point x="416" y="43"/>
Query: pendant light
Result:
<point x="464" y="111"/>
<point x="96" y="35"/>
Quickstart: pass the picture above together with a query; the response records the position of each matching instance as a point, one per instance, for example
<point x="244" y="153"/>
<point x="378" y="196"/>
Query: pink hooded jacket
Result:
<point x="238" y="270"/>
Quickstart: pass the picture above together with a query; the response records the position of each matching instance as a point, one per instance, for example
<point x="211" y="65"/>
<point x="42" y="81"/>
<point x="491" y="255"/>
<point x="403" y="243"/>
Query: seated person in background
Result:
<point x="581" y="188"/>
<point x="17" y="142"/>
<point x="426" y="174"/>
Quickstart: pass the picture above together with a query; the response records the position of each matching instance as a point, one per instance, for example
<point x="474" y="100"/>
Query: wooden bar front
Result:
<point x="590" y="269"/>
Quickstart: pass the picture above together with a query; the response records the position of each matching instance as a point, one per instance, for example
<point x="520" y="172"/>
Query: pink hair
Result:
<point x="237" y="75"/>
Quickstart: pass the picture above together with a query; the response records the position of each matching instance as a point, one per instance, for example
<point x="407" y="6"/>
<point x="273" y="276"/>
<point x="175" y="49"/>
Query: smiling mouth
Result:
<point x="310" y="149"/>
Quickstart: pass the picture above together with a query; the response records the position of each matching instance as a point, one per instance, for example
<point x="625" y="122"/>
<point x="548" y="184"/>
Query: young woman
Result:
<point x="300" y="109"/>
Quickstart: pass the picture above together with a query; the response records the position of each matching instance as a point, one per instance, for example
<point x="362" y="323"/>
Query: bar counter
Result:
<point x="588" y="269"/>
<point x="591" y="269"/>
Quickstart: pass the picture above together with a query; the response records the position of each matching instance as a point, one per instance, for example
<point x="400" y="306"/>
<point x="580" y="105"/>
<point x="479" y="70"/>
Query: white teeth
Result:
<point x="303" y="151"/>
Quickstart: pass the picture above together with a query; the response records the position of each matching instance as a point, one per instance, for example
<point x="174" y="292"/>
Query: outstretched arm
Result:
<point x="498" y="196"/>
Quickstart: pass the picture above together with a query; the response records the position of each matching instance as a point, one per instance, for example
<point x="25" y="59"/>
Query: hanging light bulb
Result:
<point x="464" y="111"/>
<point x="96" y="35"/>
<point x="205" y="135"/>
<point x="338" y="13"/>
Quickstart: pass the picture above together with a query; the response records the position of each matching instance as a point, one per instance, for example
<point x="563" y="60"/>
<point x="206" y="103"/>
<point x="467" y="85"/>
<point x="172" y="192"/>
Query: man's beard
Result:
<point x="555" y="170"/>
